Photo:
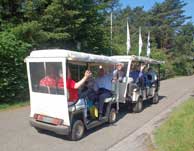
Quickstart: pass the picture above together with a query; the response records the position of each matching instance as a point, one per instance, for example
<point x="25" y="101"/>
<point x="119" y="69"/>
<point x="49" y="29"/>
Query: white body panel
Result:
<point x="49" y="105"/>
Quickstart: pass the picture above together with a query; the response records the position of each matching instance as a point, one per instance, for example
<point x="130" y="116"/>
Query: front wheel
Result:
<point x="112" y="116"/>
<point x="77" y="131"/>
<point x="155" y="99"/>
<point x="138" y="106"/>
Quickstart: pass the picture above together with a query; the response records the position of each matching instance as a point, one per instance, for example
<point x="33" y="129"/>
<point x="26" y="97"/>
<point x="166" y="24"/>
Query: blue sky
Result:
<point x="147" y="4"/>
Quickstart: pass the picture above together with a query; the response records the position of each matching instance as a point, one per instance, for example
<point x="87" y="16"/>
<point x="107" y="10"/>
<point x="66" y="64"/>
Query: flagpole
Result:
<point x="128" y="43"/>
<point x="148" y="45"/>
<point x="140" y="42"/>
<point x="111" y="33"/>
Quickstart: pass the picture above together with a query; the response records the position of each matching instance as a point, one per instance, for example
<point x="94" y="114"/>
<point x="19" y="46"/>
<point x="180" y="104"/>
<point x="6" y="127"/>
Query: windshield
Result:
<point x="47" y="77"/>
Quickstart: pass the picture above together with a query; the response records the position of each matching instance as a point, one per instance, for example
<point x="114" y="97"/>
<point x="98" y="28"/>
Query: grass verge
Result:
<point x="177" y="133"/>
<point x="12" y="105"/>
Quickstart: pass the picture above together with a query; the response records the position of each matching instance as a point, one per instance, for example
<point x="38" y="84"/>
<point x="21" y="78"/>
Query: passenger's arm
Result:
<point x="81" y="82"/>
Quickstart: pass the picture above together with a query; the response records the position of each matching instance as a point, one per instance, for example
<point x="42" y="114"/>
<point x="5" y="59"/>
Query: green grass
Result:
<point x="12" y="105"/>
<point x="177" y="133"/>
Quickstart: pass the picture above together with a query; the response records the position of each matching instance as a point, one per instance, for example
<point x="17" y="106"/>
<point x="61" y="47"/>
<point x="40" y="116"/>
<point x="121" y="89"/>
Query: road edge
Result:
<point x="138" y="140"/>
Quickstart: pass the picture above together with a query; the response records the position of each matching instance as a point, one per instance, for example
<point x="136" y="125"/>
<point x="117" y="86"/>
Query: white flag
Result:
<point x="128" y="39"/>
<point x="140" y="42"/>
<point x="148" y="45"/>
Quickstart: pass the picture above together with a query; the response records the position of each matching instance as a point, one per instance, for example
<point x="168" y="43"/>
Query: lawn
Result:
<point x="177" y="133"/>
<point x="12" y="105"/>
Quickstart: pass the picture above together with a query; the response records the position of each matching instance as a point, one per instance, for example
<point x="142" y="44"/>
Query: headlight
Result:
<point x="72" y="108"/>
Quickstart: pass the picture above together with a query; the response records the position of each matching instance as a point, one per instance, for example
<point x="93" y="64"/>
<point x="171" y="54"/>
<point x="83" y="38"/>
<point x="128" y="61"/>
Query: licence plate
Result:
<point x="44" y="119"/>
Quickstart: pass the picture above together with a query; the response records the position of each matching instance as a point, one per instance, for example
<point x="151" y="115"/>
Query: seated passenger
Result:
<point x="152" y="74"/>
<point x="118" y="73"/>
<point x="104" y="85"/>
<point x="89" y="90"/>
<point x="73" y="86"/>
<point x="136" y="74"/>
<point x="51" y="79"/>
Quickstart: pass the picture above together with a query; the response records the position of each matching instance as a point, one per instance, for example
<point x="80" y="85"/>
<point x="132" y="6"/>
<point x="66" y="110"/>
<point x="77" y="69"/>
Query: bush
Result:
<point x="183" y="65"/>
<point x="166" y="68"/>
<point x="13" y="80"/>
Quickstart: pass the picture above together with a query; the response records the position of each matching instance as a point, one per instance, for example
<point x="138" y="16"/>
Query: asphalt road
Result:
<point x="17" y="135"/>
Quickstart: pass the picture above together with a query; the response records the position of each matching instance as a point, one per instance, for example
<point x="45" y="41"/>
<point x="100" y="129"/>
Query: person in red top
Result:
<point x="51" y="79"/>
<point x="73" y="86"/>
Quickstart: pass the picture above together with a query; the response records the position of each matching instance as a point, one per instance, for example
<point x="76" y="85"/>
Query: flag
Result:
<point x="128" y="39"/>
<point x="140" y="41"/>
<point x="148" y="45"/>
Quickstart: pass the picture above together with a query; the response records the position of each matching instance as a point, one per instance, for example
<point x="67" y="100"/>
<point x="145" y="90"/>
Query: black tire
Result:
<point x="112" y="118"/>
<point x="155" y="99"/>
<point x="138" y="106"/>
<point x="77" y="130"/>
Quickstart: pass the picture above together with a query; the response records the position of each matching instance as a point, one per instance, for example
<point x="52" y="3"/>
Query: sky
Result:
<point x="147" y="4"/>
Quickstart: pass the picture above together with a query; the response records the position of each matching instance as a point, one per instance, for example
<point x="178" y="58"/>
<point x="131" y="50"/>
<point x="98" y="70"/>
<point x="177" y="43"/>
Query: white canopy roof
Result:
<point x="71" y="55"/>
<point x="136" y="58"/>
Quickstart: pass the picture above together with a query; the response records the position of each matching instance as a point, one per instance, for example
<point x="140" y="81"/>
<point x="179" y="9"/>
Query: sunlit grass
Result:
<point x="177" y="133"/>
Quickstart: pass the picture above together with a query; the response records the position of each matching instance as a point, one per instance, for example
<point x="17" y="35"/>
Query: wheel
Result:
<point x="155" y="99"/>
<point x="112" y="116"/>
<point x="138" y="106"/>
<point x="77" y="130"/>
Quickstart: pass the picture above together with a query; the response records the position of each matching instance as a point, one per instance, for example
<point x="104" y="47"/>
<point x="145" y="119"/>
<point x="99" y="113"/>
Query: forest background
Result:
<point x="84" y="25"/>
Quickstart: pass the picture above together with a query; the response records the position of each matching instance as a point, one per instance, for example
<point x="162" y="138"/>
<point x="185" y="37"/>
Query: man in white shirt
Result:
<point x="104" y="85"/>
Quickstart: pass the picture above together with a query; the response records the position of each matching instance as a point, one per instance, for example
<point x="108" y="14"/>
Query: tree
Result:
<point x="13" y="80"/>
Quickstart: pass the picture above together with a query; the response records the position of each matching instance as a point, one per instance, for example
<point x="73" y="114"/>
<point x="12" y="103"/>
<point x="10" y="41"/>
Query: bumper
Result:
<point x="61" y="129"/>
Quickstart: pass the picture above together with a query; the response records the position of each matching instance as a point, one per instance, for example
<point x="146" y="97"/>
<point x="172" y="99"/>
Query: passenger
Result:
<point x="118" y="73"/>
<point x="73" y="86"/>
<point x="137" y="74"/>
<point x="51" y="79"/>
<point x="152" y="74"/>
<point x="134" y="72"/>
<point x="104" y="85"/>
<point x="141" y="77"/>
<point x="89" y="90"/>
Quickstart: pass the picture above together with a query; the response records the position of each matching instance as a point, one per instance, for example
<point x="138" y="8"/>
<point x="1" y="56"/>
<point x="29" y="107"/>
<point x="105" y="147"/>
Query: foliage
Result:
<point x="84" y="25"/>
<point x="13" y="81"/>
<point x="166" y="69"/>
<point x="171" y="35"/>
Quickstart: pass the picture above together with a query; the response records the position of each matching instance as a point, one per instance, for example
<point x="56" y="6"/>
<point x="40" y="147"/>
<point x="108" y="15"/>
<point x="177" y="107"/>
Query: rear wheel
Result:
<point x="112" y="116"/>
<point x="77" y="131"/>
<point x="155" y="99"/>
<point x="138" y="106"/>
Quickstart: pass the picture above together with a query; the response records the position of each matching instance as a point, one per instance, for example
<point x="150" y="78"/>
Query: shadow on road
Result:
<point x="192" y="95"/>
<point x="148" y="103"/>
<point x="123" y="111"/>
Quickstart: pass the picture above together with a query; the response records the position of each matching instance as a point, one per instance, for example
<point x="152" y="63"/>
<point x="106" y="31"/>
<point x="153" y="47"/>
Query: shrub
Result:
<point x="166" y="68"/>
<point x="13" y="80"/>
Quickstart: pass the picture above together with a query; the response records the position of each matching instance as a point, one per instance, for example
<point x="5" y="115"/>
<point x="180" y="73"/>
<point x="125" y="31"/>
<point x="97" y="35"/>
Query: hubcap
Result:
<point x="156" y="98"/>
<point x="140" y="104"/>
<point x="113" y="116"/>
<point x="79" y="130"/>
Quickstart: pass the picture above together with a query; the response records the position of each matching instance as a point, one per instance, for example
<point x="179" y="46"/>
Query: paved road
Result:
<point x="17" y="135"/>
